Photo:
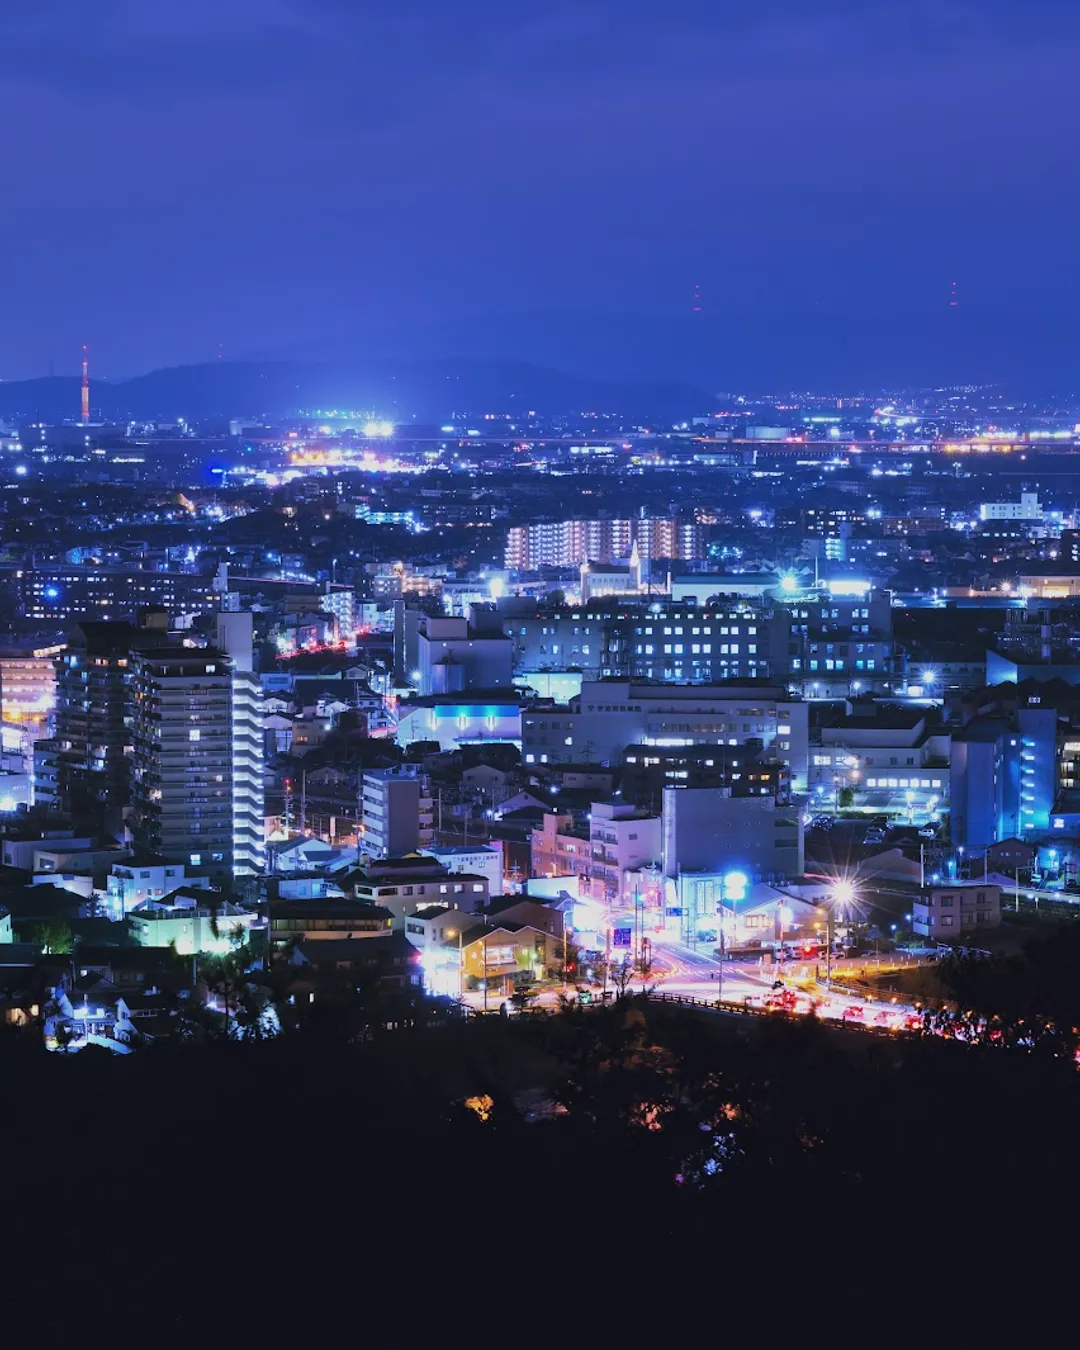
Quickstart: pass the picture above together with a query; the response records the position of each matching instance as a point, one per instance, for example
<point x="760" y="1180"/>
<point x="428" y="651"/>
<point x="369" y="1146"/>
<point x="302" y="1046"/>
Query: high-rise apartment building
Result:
<point x="182" y="766"/>
<point x="93" y="730"/>
<point x="235" y="637"/>
<point x="571" y="543"/>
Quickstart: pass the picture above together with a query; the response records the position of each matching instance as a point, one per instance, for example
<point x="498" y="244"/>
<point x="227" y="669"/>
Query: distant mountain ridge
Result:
<point x="750" y="353"/>
<point x="424" y="391"/>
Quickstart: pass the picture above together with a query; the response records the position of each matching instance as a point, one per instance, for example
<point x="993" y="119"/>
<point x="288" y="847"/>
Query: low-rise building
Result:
<point x="505" y="953"/>
<point x="326" y="919"/>
<point x="136" y="880"/>
<point x="191" y="920"/>
<point x="559" y="848"/>
<point x="622" y="839"/>
<point x="483" y="860"/>
<point x="957" y="913"/>
<point x="404" y="885"/>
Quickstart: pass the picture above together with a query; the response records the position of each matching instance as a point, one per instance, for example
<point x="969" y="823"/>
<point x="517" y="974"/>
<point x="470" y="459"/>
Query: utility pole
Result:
<point x="828" y="947"/>
<point x="607" y="955"/>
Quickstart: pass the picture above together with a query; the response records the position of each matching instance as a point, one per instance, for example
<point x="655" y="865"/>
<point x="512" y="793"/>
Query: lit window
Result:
<point x="194" y="734"/>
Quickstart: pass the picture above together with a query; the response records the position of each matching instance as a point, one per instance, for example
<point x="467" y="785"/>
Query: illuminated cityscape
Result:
<point x="539" y="660"/>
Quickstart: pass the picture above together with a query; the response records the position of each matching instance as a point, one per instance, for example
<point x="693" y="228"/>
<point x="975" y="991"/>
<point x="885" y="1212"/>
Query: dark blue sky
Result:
<point x="267" y="173"/>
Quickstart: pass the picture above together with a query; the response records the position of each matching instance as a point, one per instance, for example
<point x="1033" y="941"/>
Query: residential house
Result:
<point x="959" y="913"/>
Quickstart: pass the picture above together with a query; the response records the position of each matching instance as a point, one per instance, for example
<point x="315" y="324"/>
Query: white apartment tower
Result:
<point x="235" y="638"/>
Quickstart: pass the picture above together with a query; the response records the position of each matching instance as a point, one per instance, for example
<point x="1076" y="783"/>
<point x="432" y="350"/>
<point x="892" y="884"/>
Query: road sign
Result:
<point x="620" y="937"/>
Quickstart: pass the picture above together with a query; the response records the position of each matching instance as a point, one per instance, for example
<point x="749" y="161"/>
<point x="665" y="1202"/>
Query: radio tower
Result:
<point x="953" y="298"/>
<point x="85" y="387"/>
<point x="696" y="307"/>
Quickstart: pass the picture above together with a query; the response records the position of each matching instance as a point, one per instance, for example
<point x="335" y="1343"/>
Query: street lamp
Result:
<point x="842" y="898"/>
<point x="452" y="933"/>
<point x="732" y="887"/>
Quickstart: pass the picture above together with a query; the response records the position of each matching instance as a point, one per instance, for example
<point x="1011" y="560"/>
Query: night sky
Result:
<point x="270" y="174"/>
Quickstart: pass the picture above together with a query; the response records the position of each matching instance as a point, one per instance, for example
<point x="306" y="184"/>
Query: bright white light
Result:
<point x="789" y="583"/>
<point x="378" y="428"/>
<point x="735" y="884"/>
<point x="415" y="677"/>
<point x="20" y="469"/>
<point x="496" y="588"/>
<point x="848" y="587"/>
<point x="929" y="677"/>
<point x="7" y="803"/>
<point x="843" y="893"/>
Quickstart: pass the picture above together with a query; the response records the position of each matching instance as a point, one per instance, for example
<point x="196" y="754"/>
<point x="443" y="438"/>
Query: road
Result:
<point x="695" y="973"/>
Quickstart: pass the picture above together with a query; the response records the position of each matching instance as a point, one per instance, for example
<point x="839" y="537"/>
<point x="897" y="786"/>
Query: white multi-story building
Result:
<point x="235" y="639"/>
<point x="621" y="840"/>
<point x="196" y="770"/>
<point x="482" y="861"/>
<point x="132" y="882"/>
<point x="1027" y="508"/>
<point x="609" y="715"/>
<point x="891" y="761"/>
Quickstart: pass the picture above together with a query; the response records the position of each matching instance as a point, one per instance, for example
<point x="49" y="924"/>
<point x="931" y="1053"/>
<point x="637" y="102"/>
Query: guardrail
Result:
<point x="749" y="1010"/>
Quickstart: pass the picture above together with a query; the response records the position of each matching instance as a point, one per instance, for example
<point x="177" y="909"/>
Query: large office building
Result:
<point x="597" y="725"/>
<point x="68" y="592"/>
<point x="841" y="640"/>
<point x="734" y="639"/>
<point x="455" y="654"/>
<point x="572" y="543"/>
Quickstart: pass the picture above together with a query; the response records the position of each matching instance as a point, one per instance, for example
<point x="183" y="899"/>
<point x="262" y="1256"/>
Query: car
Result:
<point x="874" y="837"/>
<point x="821" y="823"/>
<point x="707" y="935"/>
<point x="928" y="832"/>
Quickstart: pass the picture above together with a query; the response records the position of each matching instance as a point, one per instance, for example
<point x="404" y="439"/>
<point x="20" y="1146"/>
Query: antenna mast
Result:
<point x="85" y="387"/>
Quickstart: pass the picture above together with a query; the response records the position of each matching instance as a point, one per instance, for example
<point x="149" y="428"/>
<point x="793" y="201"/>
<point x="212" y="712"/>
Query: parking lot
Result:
<point x="847" y="842"/>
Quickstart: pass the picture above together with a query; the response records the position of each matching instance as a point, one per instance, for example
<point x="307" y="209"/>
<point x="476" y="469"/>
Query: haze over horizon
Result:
<point x="255" y="177"/>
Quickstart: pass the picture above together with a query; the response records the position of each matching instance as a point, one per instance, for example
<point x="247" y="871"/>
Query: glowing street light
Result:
<point x="842" y="900"/>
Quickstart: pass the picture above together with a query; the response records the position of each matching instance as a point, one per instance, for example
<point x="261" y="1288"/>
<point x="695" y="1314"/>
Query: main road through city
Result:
<point x="698" y="973"/>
